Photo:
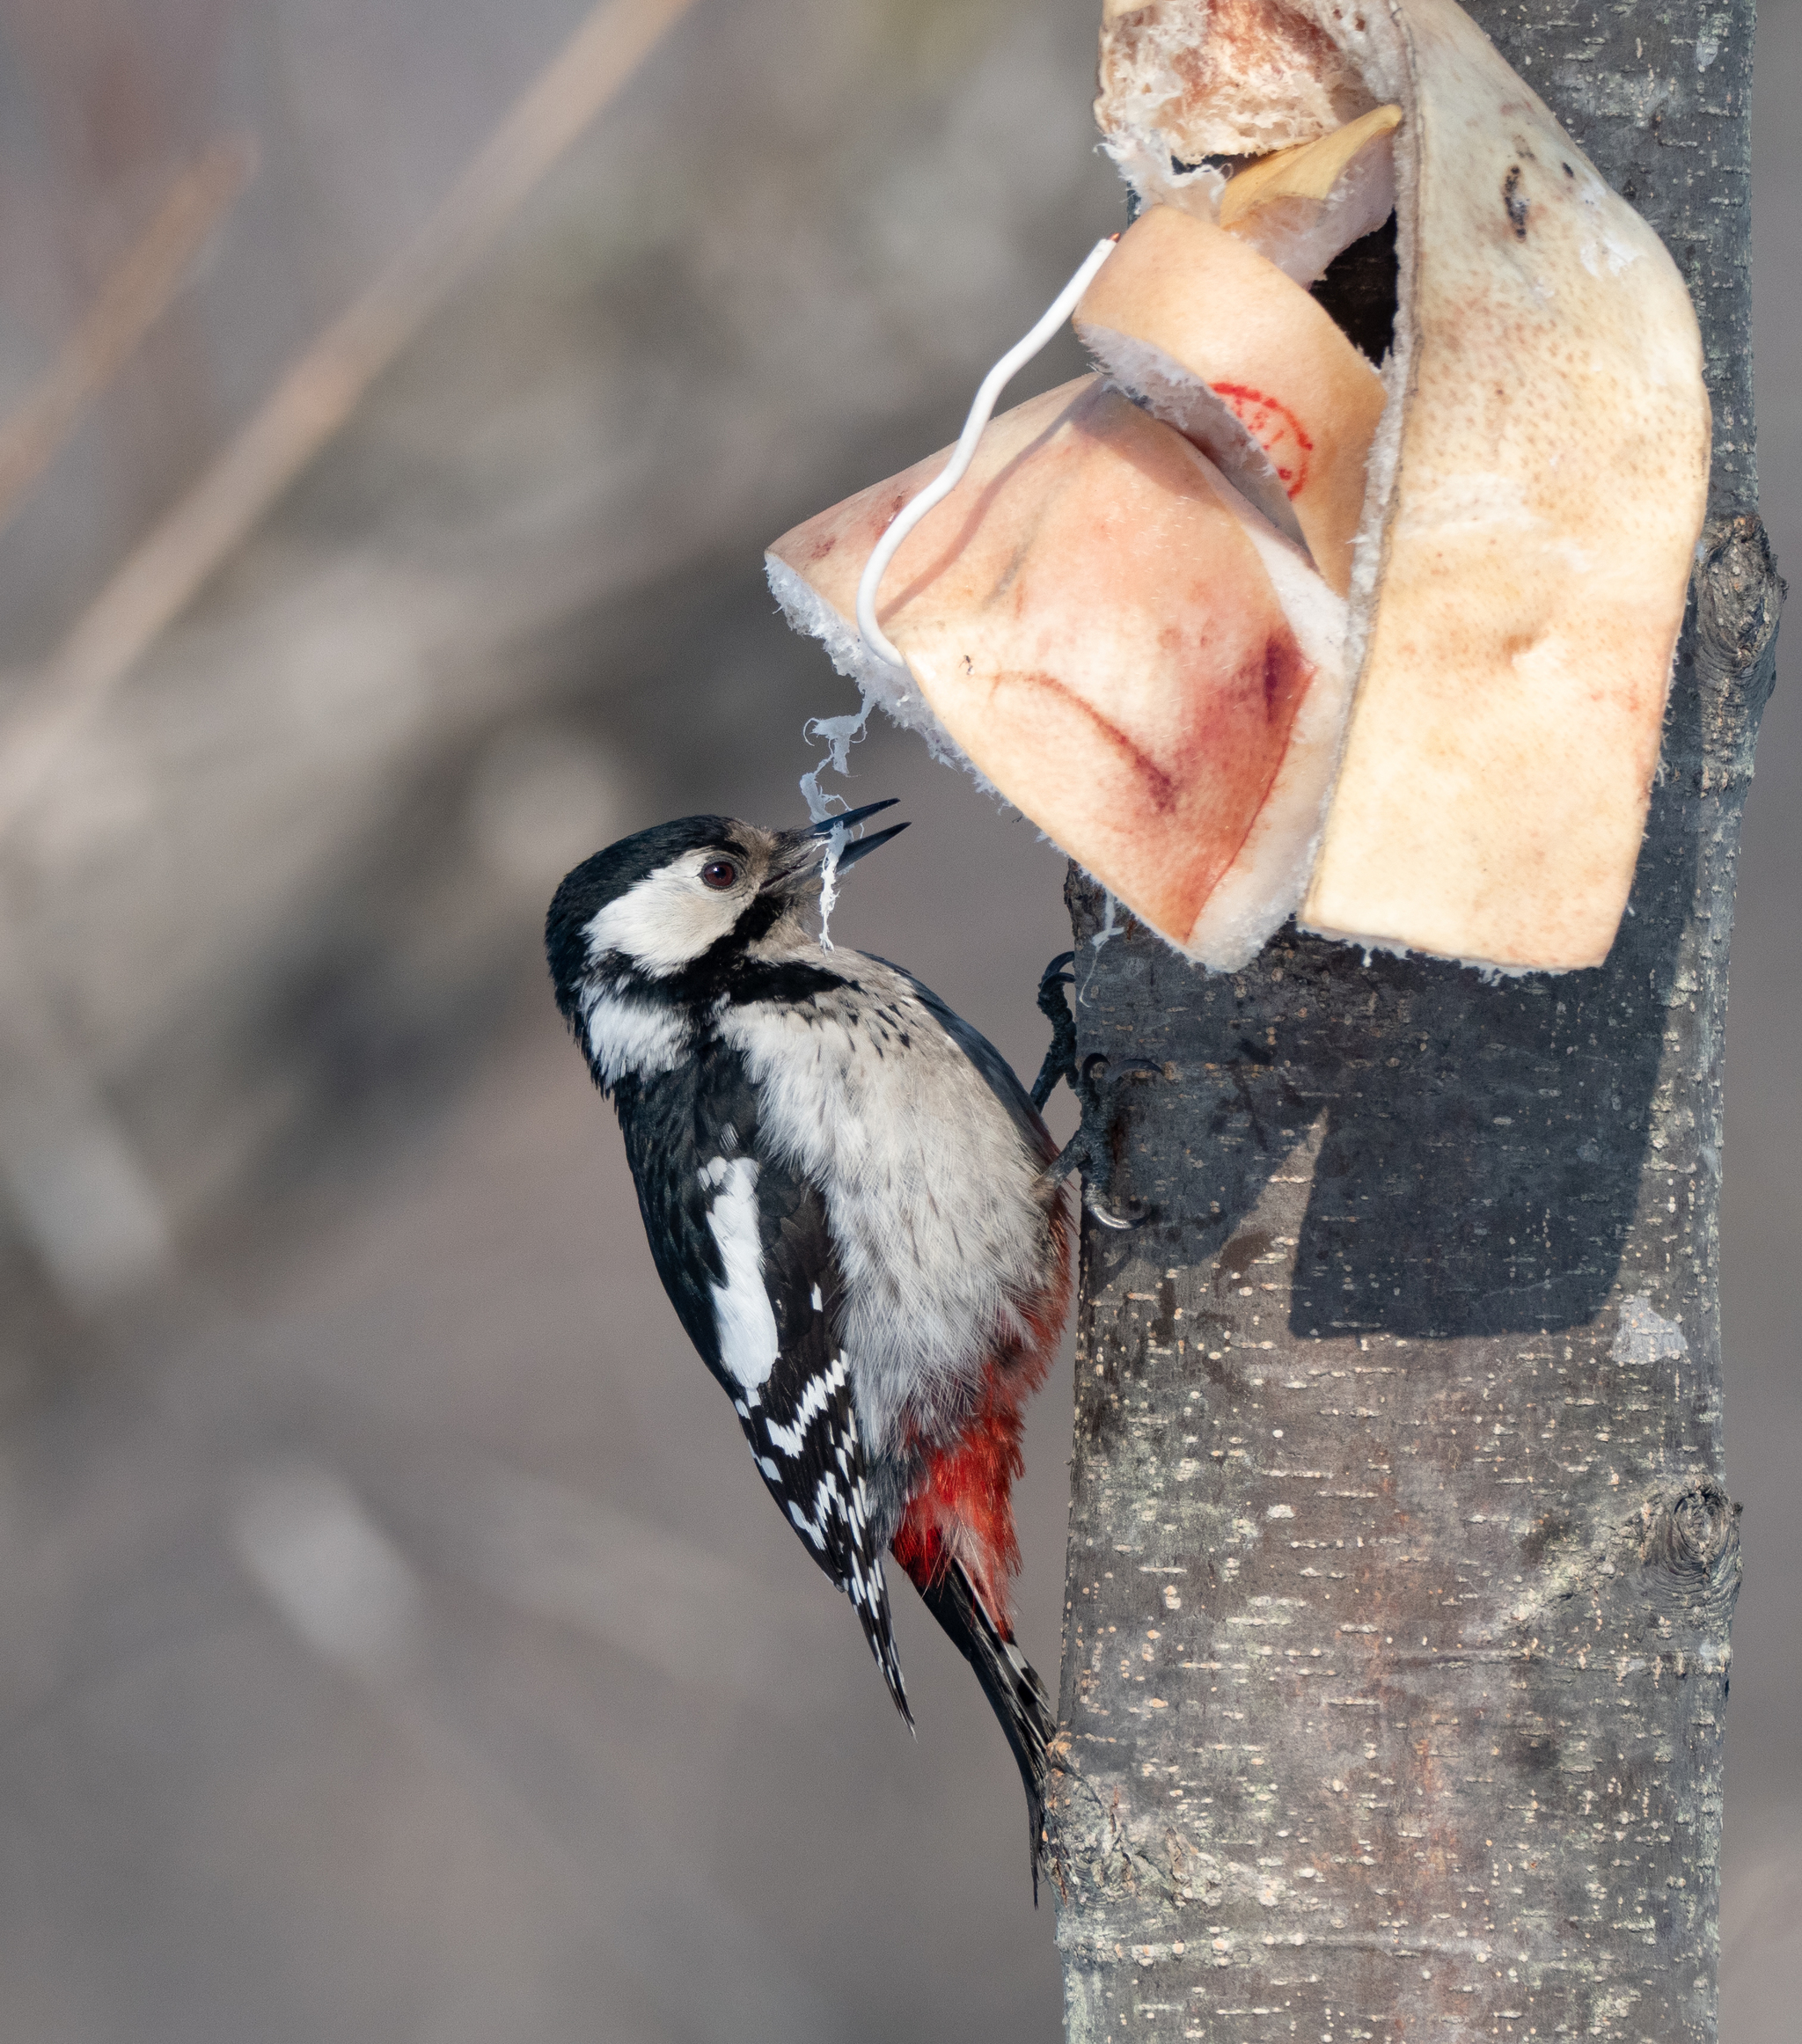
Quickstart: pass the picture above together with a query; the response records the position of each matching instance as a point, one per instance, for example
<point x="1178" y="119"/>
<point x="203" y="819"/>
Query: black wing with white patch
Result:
<point x="672" y="1125"/>
<point x="801" y="1420"/>
<point x="743" y="1248"/>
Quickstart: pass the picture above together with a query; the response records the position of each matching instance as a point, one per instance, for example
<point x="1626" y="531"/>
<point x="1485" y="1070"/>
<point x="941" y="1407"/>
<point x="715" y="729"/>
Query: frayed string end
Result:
<point x="838" y="734"/>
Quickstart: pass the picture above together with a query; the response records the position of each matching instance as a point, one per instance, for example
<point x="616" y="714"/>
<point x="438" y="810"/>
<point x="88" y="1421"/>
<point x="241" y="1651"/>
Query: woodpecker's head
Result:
<point x="655" y="904"/>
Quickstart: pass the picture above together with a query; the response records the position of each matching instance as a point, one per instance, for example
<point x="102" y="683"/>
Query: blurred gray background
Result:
<point x="397" y="1643"/>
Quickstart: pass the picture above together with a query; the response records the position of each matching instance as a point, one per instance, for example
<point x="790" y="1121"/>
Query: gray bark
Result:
<point x="1400" y="1557"/>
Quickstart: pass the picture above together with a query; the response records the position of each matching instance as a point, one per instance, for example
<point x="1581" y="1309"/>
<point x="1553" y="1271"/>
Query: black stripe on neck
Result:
<point x="728" y="971"/>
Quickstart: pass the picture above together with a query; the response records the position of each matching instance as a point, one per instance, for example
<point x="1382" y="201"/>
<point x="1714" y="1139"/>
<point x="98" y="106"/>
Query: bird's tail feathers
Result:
<point x="1010" y="1682"/>
<point x="870" y="1595"/>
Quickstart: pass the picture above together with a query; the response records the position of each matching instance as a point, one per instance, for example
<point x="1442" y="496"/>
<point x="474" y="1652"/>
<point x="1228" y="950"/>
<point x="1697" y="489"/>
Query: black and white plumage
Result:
<point x="850" y="1200"/>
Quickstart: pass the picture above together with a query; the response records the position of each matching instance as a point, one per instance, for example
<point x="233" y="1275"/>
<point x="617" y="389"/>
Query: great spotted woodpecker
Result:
<point x="853" y="1206"/>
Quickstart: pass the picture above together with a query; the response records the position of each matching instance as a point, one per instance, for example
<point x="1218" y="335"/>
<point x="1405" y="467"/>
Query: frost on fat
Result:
<point x="894" y="688"/>
<point x="1174" y="393"/>
<point x="877" y="681"/>
<point x="839" y="735"/>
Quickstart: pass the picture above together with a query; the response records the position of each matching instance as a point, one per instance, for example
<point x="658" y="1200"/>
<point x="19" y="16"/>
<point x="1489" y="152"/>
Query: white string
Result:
<point x="841" y="734"/>
<point x="829" y="887"/>
<point x="1109" y="928"/>
<point x="949" y="477"/>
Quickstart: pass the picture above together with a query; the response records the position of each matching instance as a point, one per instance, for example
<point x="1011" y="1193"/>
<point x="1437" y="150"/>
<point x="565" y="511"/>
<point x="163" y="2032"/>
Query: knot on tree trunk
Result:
<point x="1739" y="599"/>
<point x="1689" y="1546"/>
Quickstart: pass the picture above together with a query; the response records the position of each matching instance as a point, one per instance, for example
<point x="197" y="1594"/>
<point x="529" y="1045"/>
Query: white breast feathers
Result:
<point x="938" y="1209"/>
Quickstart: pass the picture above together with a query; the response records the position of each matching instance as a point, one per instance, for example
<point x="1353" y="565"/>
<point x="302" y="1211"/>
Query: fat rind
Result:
<point x="1550" y="472"/>
<point x="1260" y="889"/>
<point x="1186" y="311"/>
<point x="1172" y="393"/>
<point x="1302" y="236"/>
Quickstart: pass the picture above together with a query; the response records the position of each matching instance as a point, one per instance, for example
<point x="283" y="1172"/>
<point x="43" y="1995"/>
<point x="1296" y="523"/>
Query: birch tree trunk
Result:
<point x="1401" y="1558"/>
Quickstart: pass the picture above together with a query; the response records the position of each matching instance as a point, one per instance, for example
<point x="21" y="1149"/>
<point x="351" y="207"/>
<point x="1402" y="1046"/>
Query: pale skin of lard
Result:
<point x="1090" y="622"/>
<point x="1550" y="484"/>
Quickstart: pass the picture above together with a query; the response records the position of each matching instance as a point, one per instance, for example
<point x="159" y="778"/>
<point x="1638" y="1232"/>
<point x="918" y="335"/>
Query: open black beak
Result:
<point x="828" y="825"/>
<point x="864" y="846"/>
<point x="809" y="844"/>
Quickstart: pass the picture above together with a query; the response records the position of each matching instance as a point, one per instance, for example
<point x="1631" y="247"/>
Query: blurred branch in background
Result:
<point x="85" y="1201"/>
<point x="133" y="297"/>
<point x="336" y="1576"/>
<point x="168" y="567"/>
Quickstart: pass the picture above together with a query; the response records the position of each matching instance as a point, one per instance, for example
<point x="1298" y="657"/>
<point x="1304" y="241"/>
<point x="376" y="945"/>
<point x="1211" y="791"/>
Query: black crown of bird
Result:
<point x="854" y="1206"/>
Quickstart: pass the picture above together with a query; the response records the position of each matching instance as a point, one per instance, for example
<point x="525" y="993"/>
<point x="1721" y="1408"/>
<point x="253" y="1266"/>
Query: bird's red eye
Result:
<point x="719" y="872"/>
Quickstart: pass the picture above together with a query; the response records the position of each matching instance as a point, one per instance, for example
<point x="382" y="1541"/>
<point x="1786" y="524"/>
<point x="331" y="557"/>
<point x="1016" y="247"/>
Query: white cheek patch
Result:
<point x="667" y="920"/>
<point x="743" y="1316"/>
<point x="630" y="1038"/>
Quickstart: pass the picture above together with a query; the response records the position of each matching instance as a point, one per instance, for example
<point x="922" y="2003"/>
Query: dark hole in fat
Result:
<point x="1358" y="286"/>
<point x="1358" y="291"/>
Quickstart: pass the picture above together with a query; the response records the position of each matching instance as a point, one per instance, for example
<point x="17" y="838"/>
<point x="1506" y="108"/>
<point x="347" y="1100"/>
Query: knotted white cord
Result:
<point x="949" y="477"/>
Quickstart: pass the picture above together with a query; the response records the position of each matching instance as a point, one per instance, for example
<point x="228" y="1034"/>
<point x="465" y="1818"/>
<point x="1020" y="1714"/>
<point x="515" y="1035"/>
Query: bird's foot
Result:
<point x="1091" y="1149"/>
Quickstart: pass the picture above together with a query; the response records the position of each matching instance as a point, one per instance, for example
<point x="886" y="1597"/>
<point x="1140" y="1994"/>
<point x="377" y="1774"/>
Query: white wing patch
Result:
<point x="743" y="1316"/>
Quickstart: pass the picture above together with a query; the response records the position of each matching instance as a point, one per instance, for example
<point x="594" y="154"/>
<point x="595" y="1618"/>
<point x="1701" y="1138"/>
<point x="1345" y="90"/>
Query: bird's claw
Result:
<point x="1090" y="1150"/>
<point x="1060" y="1053"/>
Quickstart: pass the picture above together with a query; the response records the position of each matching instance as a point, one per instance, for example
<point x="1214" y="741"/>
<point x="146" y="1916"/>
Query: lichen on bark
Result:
<point x="1401" y="1558"/>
